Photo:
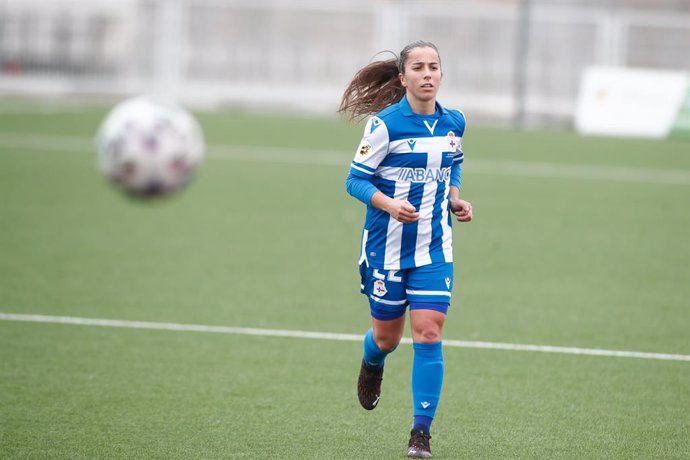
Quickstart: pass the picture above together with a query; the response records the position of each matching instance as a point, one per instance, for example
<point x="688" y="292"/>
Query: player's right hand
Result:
<point x="402" y="211"/>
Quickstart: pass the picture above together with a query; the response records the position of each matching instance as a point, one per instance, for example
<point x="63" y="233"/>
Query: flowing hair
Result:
<point x="377" y="85"/>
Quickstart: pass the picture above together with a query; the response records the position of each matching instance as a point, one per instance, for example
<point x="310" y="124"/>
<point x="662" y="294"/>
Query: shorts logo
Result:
<point x="380" y="288"/>
<point x="448" y="282"/>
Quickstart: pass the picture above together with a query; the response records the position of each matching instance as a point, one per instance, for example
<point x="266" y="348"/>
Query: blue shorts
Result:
<point x="391" y="291"/>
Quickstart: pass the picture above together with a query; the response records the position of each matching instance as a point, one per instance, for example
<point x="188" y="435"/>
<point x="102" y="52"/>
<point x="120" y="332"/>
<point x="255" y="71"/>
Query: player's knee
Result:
<point x="427" y="332"/>
<point x="427" y="322"/>
<point x="431" y="335"/>
<point x="388" y="343"/>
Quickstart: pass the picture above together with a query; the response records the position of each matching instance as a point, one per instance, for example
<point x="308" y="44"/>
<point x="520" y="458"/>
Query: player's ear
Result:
<point x="401" y="76"/>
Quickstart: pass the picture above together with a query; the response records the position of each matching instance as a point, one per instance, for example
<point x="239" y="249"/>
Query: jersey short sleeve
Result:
<point x="372" y="149"/>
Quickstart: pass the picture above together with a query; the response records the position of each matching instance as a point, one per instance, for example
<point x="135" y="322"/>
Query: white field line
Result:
<point x="339" y="158"/>
<point x="30" y="141"/>
<point x="328" y="336"/>
<point x="38" y="108"/>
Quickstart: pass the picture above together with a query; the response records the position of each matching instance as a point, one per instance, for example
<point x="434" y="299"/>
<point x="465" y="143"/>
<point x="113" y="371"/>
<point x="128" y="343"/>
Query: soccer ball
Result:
<point x="149" y="147"/>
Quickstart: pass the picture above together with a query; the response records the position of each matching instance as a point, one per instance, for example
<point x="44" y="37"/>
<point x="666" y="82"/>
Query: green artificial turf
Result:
<point x="265" y="238"/>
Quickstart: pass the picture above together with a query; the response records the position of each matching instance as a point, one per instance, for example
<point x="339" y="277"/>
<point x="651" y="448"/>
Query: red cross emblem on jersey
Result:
<point x="451" y="138"/>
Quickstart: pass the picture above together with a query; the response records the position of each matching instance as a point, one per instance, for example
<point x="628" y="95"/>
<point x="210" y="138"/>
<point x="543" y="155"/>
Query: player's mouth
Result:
<point x="427" y="85"/>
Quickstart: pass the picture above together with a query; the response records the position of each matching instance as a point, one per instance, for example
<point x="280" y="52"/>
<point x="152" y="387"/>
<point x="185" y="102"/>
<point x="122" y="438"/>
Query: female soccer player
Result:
<point x="407" y="171"/>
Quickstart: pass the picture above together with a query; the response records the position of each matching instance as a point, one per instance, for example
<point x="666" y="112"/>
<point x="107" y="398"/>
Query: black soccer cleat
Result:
<point x="369" y="386"/>
<point x="418" y="447"/>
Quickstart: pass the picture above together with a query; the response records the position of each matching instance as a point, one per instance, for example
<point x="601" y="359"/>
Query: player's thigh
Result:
<point x="388" y="333"/>
<point x="426" y="324"/>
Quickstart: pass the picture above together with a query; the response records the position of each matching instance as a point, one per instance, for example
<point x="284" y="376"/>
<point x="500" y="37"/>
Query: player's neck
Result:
<point x="422" y="107"/>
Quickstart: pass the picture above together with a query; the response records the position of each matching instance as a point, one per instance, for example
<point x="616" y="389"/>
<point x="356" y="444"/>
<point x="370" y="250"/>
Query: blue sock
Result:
<point x="422" y="422"/>
<point x="427" y="380"/>
<point x="373" y="356"/>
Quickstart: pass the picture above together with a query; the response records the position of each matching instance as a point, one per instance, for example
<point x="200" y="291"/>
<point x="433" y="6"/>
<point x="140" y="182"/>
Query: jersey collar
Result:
<point x="406" y="110"/>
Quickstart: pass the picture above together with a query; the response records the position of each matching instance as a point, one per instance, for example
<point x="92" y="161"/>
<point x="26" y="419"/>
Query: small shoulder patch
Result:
<point x="363" y="149"/>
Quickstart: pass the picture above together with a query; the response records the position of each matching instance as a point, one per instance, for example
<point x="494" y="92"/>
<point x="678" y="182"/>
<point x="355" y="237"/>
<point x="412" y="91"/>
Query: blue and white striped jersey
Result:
<point x="408" y="156"/>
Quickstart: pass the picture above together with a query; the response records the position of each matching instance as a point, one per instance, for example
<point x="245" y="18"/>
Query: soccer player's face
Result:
<point x="422" y="77"/>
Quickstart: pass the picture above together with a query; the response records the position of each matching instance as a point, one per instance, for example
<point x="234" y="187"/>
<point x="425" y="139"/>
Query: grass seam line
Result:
<point x="340" y="158"/>
<point x="330" y="336"/>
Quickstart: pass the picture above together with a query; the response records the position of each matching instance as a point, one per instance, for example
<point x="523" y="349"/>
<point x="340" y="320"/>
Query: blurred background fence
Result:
<point x="503" y="60"/>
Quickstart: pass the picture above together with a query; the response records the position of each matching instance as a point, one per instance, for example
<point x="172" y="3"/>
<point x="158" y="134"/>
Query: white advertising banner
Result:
<point x="629" y="102"/>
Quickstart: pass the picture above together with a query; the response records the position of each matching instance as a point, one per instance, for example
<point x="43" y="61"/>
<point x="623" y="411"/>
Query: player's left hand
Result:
<point x="462" y="210"/>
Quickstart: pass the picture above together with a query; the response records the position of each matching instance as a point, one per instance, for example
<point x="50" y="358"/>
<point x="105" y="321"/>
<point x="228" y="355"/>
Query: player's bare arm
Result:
<point x="462" y="209"/>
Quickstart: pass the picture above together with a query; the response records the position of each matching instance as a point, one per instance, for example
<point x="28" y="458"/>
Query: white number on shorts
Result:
<point x="391" y="276"/>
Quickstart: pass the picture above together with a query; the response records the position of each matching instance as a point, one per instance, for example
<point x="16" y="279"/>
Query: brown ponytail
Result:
<point x="373" y="88"/>
<point x="376" y="86"/>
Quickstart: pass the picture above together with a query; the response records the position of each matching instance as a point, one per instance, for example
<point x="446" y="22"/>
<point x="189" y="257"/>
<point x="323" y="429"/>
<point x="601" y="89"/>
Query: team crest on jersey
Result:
<point x="380" y="288"/>
<point x="452" y="142"/>
<point x="364" y="148"/>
